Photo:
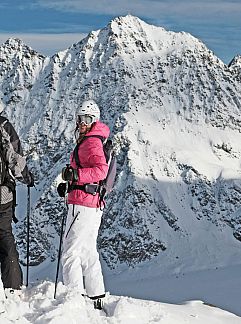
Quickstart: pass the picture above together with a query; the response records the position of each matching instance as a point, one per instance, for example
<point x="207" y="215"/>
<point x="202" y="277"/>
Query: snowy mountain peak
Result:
<point x="14" y="43"/>
<point x="236" y="61"/>
<point x="15" y="46"/>
<point x="125" y="22"/>
<point x="129" y="35"/>
<point x="19" y="69"/>
<point x="174" y="111"/>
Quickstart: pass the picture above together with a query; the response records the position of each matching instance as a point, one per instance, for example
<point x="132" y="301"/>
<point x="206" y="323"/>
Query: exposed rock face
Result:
<point x="174" y="111"/>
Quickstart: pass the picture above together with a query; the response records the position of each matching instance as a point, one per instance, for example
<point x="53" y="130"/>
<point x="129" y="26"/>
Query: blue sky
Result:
<point x="49" y="26"/>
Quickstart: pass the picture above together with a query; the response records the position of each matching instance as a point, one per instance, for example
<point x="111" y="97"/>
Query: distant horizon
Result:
<point x="49" y="26"/>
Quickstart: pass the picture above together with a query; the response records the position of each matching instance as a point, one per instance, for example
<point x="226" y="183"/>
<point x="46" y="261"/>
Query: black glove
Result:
<point x="30" y="181"/>
<point x="69" y="173"/>
<point x="62" y="189"/>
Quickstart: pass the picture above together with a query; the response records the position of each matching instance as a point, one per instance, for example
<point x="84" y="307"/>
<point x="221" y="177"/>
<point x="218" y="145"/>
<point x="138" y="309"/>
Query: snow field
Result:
<point x="37" y="305"/>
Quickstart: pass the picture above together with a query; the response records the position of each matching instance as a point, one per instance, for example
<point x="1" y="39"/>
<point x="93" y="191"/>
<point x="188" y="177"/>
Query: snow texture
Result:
<point x="174" y="112"/>
<point x="36" y="305"/>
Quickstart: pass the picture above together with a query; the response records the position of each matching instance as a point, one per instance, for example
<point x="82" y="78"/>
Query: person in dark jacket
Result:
<point x="15" y="168"/>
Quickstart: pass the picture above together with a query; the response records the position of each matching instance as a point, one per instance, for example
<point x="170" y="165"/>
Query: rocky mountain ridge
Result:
<point x="174" y="111"/>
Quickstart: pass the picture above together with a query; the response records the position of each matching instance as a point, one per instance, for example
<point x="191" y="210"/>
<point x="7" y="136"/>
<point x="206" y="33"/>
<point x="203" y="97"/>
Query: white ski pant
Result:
<point x="80" y="259"/>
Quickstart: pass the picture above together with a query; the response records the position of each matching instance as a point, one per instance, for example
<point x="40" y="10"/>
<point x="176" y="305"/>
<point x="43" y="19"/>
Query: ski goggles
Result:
<point x="85" y="119"/>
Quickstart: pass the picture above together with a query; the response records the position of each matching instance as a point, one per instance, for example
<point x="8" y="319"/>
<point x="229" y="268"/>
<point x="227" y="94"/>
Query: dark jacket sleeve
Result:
<point x="14" y="153"/>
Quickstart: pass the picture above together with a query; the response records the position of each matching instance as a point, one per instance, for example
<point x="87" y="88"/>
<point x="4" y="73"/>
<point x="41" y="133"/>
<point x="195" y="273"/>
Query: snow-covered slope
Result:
<point x="174" y="111"/>
<point x="20" y="67"/>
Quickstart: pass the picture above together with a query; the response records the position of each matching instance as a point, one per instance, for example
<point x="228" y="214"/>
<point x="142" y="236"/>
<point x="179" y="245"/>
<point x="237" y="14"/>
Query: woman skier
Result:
<point x="80" y="258"/>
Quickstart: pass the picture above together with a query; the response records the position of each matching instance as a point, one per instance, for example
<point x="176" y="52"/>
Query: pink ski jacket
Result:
<point x="93" y="166"/>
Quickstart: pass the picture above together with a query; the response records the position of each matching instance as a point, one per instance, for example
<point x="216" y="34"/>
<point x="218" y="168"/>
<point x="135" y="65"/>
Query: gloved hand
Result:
<point x="69" y="173"/>
<point x="30" y="180"/>
<point x="62" y="189"/>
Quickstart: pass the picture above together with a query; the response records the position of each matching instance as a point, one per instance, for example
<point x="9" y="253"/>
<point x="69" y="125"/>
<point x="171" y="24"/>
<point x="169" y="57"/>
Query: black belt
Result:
<point x="74" y="187"/>
<point x="90" y="188"/>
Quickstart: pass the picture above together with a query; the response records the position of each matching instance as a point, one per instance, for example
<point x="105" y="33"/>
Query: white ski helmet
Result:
<point x="89" y="107"/>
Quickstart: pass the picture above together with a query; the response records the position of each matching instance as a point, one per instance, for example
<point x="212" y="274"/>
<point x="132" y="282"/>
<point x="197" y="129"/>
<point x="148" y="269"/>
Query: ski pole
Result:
<point x="59" y="254"/>
<point x="28" y="230"/>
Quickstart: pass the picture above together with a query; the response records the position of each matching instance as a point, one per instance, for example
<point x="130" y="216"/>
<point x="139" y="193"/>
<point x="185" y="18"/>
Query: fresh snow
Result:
<point x="36" y="305"/>
<point x="171" y="231"/>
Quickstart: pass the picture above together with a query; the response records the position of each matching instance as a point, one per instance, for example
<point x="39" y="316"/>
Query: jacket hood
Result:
<point x="100" y="129"/>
